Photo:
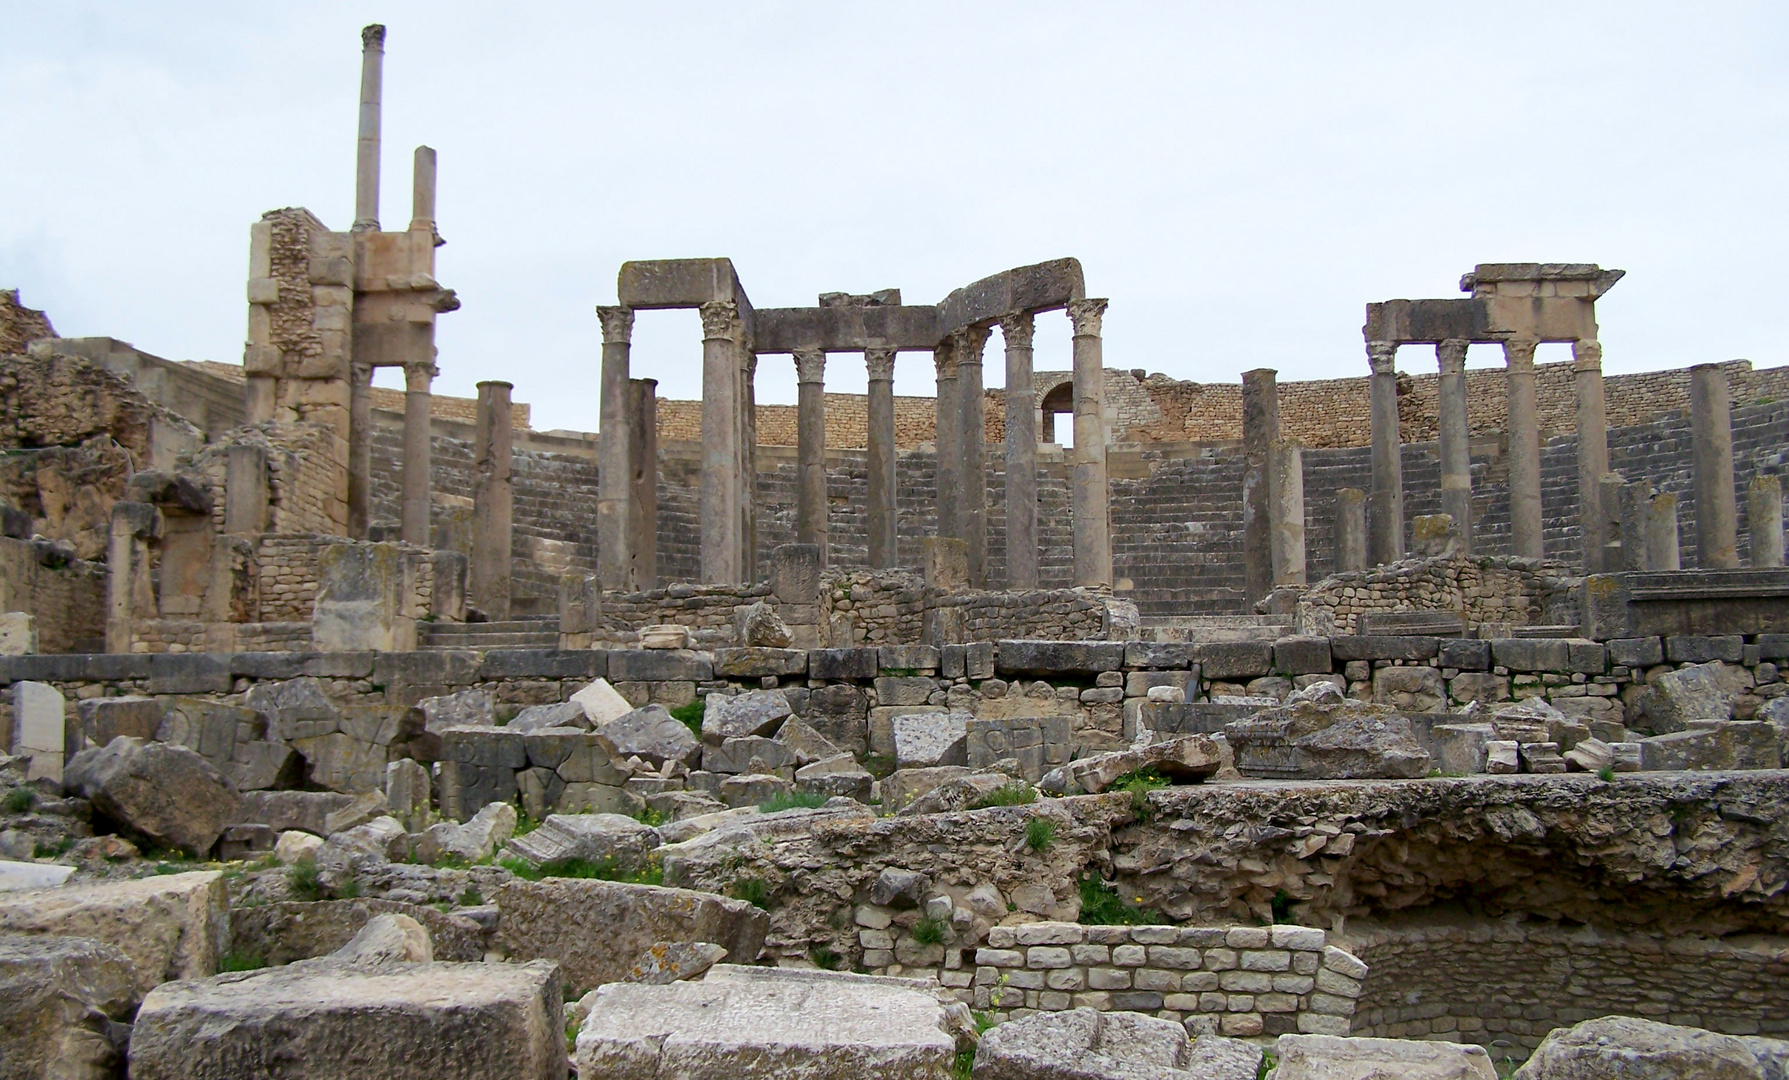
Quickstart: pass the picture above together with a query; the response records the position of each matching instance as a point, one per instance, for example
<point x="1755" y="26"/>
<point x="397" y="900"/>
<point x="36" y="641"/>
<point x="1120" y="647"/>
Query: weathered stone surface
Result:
<point x="840" y="714"/>
<point x="759" y="627"/>
<point x="1460" y="749"/>
<point x="466" y="708"/>
<point x="1628" y="1048"/>
<point x="564" y="714"/>
<point x="387" y="938"/>
<point x="1330" y="1057"/>
<point x="40" y="730"/>
<point x="651" y="734"/>
<point x="837" y="775"/>
<point x="842" y="664"/>
<point x="739" y="756"/>
<point x="664" y="636"/>
<point x="295" y="708"/>
<point x="925" y="740"/>
<point x="167" y="794"/>
<point x="61" y="999"/>
<point x="659" y="665"/>
<point x="17" y="876"/>
<point x="903" y="786"/>
<point x="1044" y="659"/>
<point x="1716" y="744"/>
<point x="335" y="1019"/>
<point x="1318" y="734"/>
<point x="593" y="837"/>
<point x="1410" y="689"/>
<point x="170" y="927"/>
<point x="286" y="931"/>
<point x="596" y="929"/>
<point x="750" y="1023"/>
<point x="294" y="847"/>
<point x="755" y="663"/>
<point x="282" y="810"/>
<point x="805" y="743"/>
<point x="1234" y="659"/>
<point x="750" y="789"/>
<point x="756" y="712"/>
<point x="381" y="839"/>
<point x="1698" y="692"/>
<point x="957" y="794"/>
<point x="1084" y="1044"/>
<point x="474" y="840"/>
<point x="104" y="719"/>
<point x="1036" y="743"/>
<point x="674" y="961"/>
<point x="1188" y="759"/>
<point x="601" y="702"/>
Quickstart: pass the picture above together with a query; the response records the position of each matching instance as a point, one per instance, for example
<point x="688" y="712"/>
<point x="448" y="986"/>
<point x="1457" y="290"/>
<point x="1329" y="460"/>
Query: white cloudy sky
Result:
<point x="1239" y="178"/>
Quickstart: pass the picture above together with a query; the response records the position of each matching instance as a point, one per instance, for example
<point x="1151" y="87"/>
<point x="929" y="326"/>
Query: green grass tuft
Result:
<point x="1138" y="785"/>
<point x="304" y="881"/>
<point x="1269" y="1062"/>
<point x="1015" y="794"/>
<point x="792" y="800"/>
<point x="753" y="891"/>
<point x="238" y="961"/>
<point x="1040" y="833"/>
<point x="20" y="800"/>
<point x="646" y="815"/>
<point x="1281" y="905"/>
<point x="525" y="822"/>
<point x="471" y="897"/>
<point x="603" y="869"/>
<point x="929" y="931"/>
<point x="1102" y="906"/>
<point x="824" y="958"/>
<point x="963" y="1066"/>
<point x="880" y="766"/>
<point x="691" y="714"/>
<point x="1606" y="774"/>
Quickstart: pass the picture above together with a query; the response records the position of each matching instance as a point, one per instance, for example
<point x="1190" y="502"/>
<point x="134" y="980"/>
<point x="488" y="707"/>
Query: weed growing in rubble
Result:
<point x="929" y="931"/>
<point x="1040" y="833"/>
<point x="691" y="715"/>
<point x="964" y="1066"/>
<point x="1019" y="794"/>
<point x="646" y="815"/>
<point x="603" y="869"/>
<point x="1606" y="774"/>
<point x="752" y="891"/>
<point x="1102" y="906"/>
<point x="238" y="961"/>
<point x="791" y="800"/>
<point x="1138" y="785"/>
<point x="824" y="958"/>
<point x="20" y="800"/>
<point x="304" y="881"/>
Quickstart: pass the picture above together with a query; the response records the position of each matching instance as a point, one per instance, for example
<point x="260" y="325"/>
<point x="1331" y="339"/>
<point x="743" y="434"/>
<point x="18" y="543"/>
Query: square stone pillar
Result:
<point x="1634" y="500"/>
<point x="366" y="599"/>
<point x="723" y="447"/>
<point x="493" y="500"/>
<point x="643" y="500"/>
<point x="1456" y="439"/>
<point x="1021" y="453"/>
<point x="130" y="590"/>
<point x="1662" y="552"/>
<point x="580" y="609"/>
<point x="41" y="730"/>
<point x="1764" y="520"/>
<point x="1526" y="522"/>
<point x="972" y="487"/>
<point x="417" y="452"/>
<point x="948" y="418"/>
<point x="748" y="462"/>
<point x="1593" y="451"/>
<point x="884" y="514"/>
<point x="1351" y="530"/>
<point x="1285" y="486"/>
<point x="360" y="449"/>
<point x="1385" y="505"/>
<point x="614" y="451"/>
<point x="1091" y="494"/>
<point x="246" y="492"/>
<point x="1260" y="427"/>
<point x="810" y="435"/>
<point x="1711" y="451"/>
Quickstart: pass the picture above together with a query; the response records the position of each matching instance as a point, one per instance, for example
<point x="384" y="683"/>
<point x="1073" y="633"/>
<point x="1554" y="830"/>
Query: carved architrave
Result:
<point x="618" y="324"/>
<point x="1086" y="315"/>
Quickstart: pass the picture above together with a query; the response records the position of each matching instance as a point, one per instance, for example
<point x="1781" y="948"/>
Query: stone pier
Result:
<point x="360" y="449"/>
<point x="1092" y="522"/>
<point x="1711" y="451"/>
<point x="1351" y="530"/>
<point x="1526" y="523"/>
<point x="1764" y="520"/>
<point x="1285" y="487"/>
<point x="417" y="376"/>
<point x="1260" y="427"/>
<point x="880" y="406"/>
<point x="1021" y="453"/>
<point x="130" y="590"/>
<point x="643" y="489"/>
<point x="614" y="511"/>
<point x="972" y="509"/>
<point x="493" y="500"/>
<point x="723" y="450"/>
<point x="1593" y="451"/>
<point x="1385" y="505"/>
<point x="949" y="438"/>
<point x="1456" y="439"/>
<point x="1661" y="533"/>
<point x="810" y="485"/>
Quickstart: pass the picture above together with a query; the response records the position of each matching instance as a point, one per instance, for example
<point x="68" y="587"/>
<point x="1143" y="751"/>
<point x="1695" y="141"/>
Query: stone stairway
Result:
<point x="537" y="632"/>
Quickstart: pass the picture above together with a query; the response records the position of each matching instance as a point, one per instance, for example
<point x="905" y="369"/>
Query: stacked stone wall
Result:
<point x="1482" y="589"/>
<point x="66" y="597"/>
<point x="286" y="576"/>
<point x="65" y="401"/>
<point x="20" y="325"/>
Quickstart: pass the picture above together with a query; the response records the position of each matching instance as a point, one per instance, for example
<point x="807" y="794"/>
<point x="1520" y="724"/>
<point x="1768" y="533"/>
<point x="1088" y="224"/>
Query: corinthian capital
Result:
<point x="1518" y="353"/>
<point x="810" y="366"/>
<point x="1382" y="356"/>
<point x="1451" y="354"/>
<point x="1587" y="355"/>
<point x="618" y="324"/>
<point x="1086" y="316"/>
<point x="1016" y="329"/>
<point x="969" y="341"/>
<point x="880" y="364"/>
<point x="944" y="359"/>
<point x="720" y="320"/>
<point x="373" y="37"/>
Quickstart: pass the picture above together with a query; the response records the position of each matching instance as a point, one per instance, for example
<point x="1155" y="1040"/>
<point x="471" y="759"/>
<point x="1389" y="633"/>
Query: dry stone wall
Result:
<point x="66" y="597"/>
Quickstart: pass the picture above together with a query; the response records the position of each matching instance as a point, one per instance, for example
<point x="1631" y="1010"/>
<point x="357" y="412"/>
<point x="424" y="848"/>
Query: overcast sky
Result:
<point x="1239" y="179"/>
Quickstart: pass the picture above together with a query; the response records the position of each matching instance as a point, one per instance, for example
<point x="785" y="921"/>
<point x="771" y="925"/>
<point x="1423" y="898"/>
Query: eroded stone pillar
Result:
<point x="246" y="490"/>
<point x="366" y="160"/>
<point x="417" y="377"/>
<point x="1593" y="451"/>
<point x="1092" y="521"/>
<point x="884" y="518"/>
<point x="1526" y="523"/>
<point x="748" y="461"/>
<point x="1456" y="445"/>
<point x="1021" y="453"/>
<point x="360" y="449"/>
<point x="1285" y="486"/>
<point x="1711" y="451"/>
<point x="614" y="450"/>
<point x="1764" y="520"/>
<point x="1351" y="530"/>
<point x="492" y="500"/>
<point x="129" y="586"/>
<point x="1260" y="427"/>
<point x="1385" y="505"/>
<point x="972" y="509"/>
<point x="1661" y="533"/>
<point x="949" y="437"/>
<point x="722" y="511"/>
<point x="643" y="503"/>
<point x="810" y="429"/>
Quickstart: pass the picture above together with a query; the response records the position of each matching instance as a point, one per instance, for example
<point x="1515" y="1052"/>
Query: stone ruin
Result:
<point x="1340" y="729"/>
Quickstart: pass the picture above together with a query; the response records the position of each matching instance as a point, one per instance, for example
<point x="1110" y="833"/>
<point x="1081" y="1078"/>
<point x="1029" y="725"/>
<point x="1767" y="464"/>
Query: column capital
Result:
<point x="944" y="359"/>
<point x="373" y="37"/>
<point x="880" y="363"/>
<point x="1382" y="356"/>
<point x="1587" y="355"/>
<point x="1451" y="355"/>
<point x="1086" y="315"/>
<point x="419" y="371"/>
<point x="810" y="365"/>
<point x="1016" y="329"/>
<point x="618" y="324"/>
<point x="1518" y="353"/>
<point x="969" y="341"/>
<point x="720" y="320"/>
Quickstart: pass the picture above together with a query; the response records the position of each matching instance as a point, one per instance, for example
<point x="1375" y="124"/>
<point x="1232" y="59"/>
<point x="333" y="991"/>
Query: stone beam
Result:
<point x="846" y="329"/>
<point x="1429" y="322"/>
<point x="1039" y="287"/>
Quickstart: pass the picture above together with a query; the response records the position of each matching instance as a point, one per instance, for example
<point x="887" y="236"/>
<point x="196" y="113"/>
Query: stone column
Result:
<point x="246" y="490"/>
<point x="1711" y="451"/>
<point x="1456" y="444"/>
<point x="972" y="486"/>
<point x="810" y="428"/>
<point x="360" y="449"/>
<point x="492" y="500"/>
<point x="1021" y="453"/>
<point x="1385" y="505"/>
<point x="1764" y="520"/>
<point x="949" y="437"/>
<point x="721" y="508"/>
<point x="1260" y="427"/>
<point x="1661" y="533"/>
<point x="1285" y="485"/>
<point x="884" y="517"/>
<point x="614" y="451"/>
<point x="417" y="376"/>
<point x="643" y="503"/>
<point x="366" y="161"/>
<point x="748" y="462"/>
<point x="129" y="588"/>
<point x="1526" y="522"/>
<point x="1092" y="523"/>
<point x="1593" y="451"/>
<point x="1351" y="530"/>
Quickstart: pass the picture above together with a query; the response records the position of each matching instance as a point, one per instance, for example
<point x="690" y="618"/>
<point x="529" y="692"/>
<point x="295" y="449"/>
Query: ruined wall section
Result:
<point x="20" y="325"/>
<point x="1485" y="589"/>
<point x="66" y="597"/>
<point x="64" y="401"/>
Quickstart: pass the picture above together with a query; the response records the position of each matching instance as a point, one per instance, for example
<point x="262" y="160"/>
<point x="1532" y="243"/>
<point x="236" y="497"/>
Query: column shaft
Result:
<point x="1456" y="445"/>
<point x="1526" y="523"/>
<point x="360" y="449"/>
<point x="1662" y="552"/>
<point x="493" y="500"/>
<point x="721" y="508"/>
<point x="1092" y="522"/>
<point x="1593" y="451"/>
<point x="1385" y="505"/>
<point x="1711" y="449"/>
<point x="1351" y="530"/>
<point x="1764" y="520"/>
<point x="366" y="160"/>
<point x="417" y="376"/>
<point x="972" y="510"/>
<point x="810" y="427"/>
<point x="748" y="462"/>
<point x="949" y="438"/>
<point x="614" y="451"/>
<point x="1260" y="427"/>
<point x="643" y="500"/>
<point x="883" y="513"/>
<point x="1286" y="511"/>
<point x="1021" y="454"/>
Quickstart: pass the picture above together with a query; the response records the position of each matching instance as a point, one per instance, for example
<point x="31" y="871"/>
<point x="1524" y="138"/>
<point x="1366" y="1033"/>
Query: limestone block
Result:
<point x="332" y="1018"/>
<point x="1301" y="656"/>
<point x="923" y="659"/>
<point x="467" y="708"/>
<point x="903" y="786"/>
<point x="1480" y="686"/>
<point x="1461" y="749"/>
<point x="756" y="712"/>
<point x="18" y="633"/>
<point x="1328" y="1057"/>
<point x="664" y="636"/>
<point x="1318" y="734"/>
<point x="1625" y="1046"/>
<point x="563" y="714"/>
<point x="842" y="664"/>
<point x="1697" y="649"/>
<point x="1699" y="692"/>
<point x="1718" y="744"/>
<point x="651" y="734"/>
<point x="283" y="810"/>
<point x="806" y="744"/>
<point x="1590" y="755"/>
<point x="1076" y="659"/>
<point x="1086" y="1044"/>
<point x="1187" y="759"/>
<point x="104" y="719"/>
<point x="595" y="929"/>
<point x="40" y="730"/>
<point x="62" y="998"/>
<point x="17" y="876"/>
<point x="591" y="837"/>
<point x="959" y="793"/>
<point x="379" y="841"/>
<point x="659" y="665"/>
<point x="837" y="775"/>
<point x="1410" y="689"/>
<point x="294" y="847"/>
<point x="294" y="708"/>
<point x="1502" y="756"/>
<point x="924" y="740"/>
<point x="1037" y="743"/>
<point x="840" y="713"/>
<point x="474" y="840"/>
<point x="340" y="762"/>
<point x="755" y="663"/>
<point x="407" y="790"/>
<point x="171" y="927"/>
<point x="740" y="756"/>
<point x="1540" y="757"/>
<point x="1235" y="659"/>
<point x="1465" y="654"/>
<point x="600" y="703"/>
<point x="751" y="789"/>
<point x="904" y="690"/>
<point x="760" y="627"/>
<point x="165" y="793"/>
<point x="364" y="599"/>
<point x="360" y="810"/>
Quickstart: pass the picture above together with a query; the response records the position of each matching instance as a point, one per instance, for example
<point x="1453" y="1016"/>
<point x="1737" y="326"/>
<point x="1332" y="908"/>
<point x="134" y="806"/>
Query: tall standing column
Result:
<point x="1593" y="451"/>
<point x="1711" y="451"/>
<point x="1764" y="520"/>
<point x="810" y="435"/>
<point x="721" y="507"/>
<point x="1526" y="524"/>
<point x="972" y="510"/>
<point x="417" y="376"/>
<point x="1385" y="504"/>
<point x="1456" y="445"/>
<point x="949" y="437"/>
<point x="1092" y="521"/>
<point x="360" y="449"/>
<point x="1260" y="427"/>
<point x="883" y="516"/>
<point x="643" y="500"/>
<point x="1021" y="453"/>
<point x="748" y="461"/>
<point x="366" y="158"/>
<point x="614" y="450"/>
<point x="493" y="499"/>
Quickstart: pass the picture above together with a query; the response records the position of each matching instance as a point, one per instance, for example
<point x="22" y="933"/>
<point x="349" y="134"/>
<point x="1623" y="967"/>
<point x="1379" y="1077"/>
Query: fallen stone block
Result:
<point x="1625" y="1046"/>
<point x="673" y="961"/>
<point x="837" y="775"/>
<point x="757" y="712"/>
<point x="17" y="876"/>
<point x="1332" y="1057"/>
<point x="753" y="753"/>
<point x="590" y="837"/>
<point x="1715" y="744"/>
<point x="902" y="786"/>
<point x="959" y="794"/>
<point x="595" y="929"/>
<point x="653" y="735"/>
<point x="294" y="847"/>
<point x="63" y="1000"/>
<point x="287" y="931"/>
<point x="468" y="708"/>
<point x="1460" y="749"/>
<point x="566" y="714"/>
<point x="926" y="740"/>
<point x="170" y="927"/>
<point x="1697" y="692"/>
<point x="283" y="810"/>
<point x="474" y="841"/>
<point x="762" y="1023"/>
<point x="295" y="708"/>
<point x="1319" y="735"/>
<point x="335" y="1019"/>
<point x="1085" y="1044"/>
<point x="1541" y="757"/>
<point x="383" y="839"/>
<point x="601" y="703"/>
<point x="750" y="789"/>
<point x="1185" y="760"/>
<point x="167" y="794"/>
<point x="1502" y="756"/>
<point x="104" y="719"/>
<point x="1590" y="755"/>
<point x="806" y="744"/>
<point x="40" y="730"/>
